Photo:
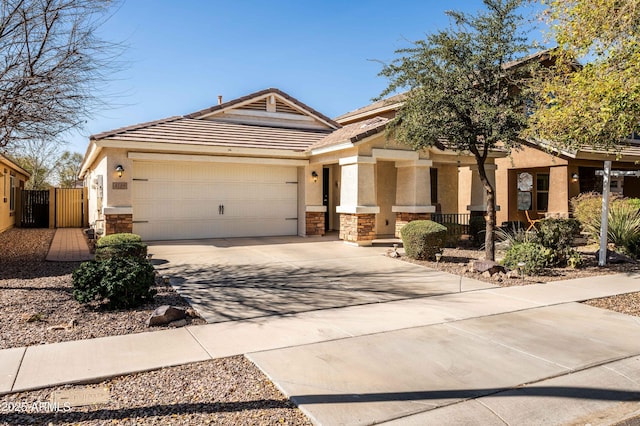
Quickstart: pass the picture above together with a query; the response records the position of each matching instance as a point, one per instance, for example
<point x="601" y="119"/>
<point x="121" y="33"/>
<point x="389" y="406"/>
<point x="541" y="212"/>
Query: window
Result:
<point x="525" y="185"/>
<point x="12" y="193"/>
<point x="542" y="191"/>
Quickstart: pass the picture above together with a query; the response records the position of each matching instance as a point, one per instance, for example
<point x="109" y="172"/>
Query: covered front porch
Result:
<point x="370" y="191"/>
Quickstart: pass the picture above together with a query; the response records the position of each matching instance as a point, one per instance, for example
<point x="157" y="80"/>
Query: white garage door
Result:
<point x="174" y="200"/>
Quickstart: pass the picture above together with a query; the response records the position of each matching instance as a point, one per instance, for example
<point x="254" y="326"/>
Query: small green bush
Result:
<point x="557" y="234"/>
<point x="117" y="282"/>
<point x="422" y="239"/>
<point x="117" y="239"/>
<point x="574" y="259"/>
<point x="120" y="245"/>
<point x="535" y="257"/>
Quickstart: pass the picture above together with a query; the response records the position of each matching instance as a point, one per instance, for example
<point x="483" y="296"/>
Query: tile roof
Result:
<point x="184" y="130"/>
<point x="279" y="92"/>
<point x="353" y="132"/>
<point x="384" y="103"/>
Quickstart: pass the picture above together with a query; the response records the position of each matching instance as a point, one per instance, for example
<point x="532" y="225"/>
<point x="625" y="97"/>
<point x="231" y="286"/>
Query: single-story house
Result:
<point x="267" y="164"/>
<point x="12" y="177"/>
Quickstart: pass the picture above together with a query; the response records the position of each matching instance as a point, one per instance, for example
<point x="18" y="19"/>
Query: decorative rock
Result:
<point x="513" y="274"/>
<point x="166" y="314"/>
<point x="615" y="257"/>
<point x="488" y="265"/>
<point x="192" y="313"/>
<point x="486" y="274"/>
<point x="179" y="323"/>
<point x="33" y="317"/>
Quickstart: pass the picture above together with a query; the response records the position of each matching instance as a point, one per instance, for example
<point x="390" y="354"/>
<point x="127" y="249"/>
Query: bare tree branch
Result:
<point x="51" y="66"/>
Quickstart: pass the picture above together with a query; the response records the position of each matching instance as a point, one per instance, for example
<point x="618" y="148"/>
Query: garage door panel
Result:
<point x="181" y="200"/>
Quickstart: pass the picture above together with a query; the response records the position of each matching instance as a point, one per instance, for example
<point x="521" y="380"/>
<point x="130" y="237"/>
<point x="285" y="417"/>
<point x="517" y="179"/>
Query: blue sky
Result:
<point x="181" y="55"/>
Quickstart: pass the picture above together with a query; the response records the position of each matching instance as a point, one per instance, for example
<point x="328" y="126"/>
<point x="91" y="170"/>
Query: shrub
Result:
<point x="454" y="232"/>
<point x="574" y="259"/>
<point x="557" y="233"/>
<point x="422" y="239"/>
<point x="624" y="219"/>
<point x="624" y="226"/>
<point x="477" y="230"/>
<point x="535" y="257"/>
<point x="121" y="245"/>
<point x="117" y="282"/>
<point x="587" y="209"/>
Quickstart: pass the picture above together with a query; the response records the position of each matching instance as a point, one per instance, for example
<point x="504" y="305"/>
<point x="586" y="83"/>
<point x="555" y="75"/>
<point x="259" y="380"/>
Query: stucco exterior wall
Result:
<point x="464" y="189"/>
<point x="8" y="216"/>
<point x="558" y="191"/>
<point x="448" y="188"/>
<point x="385" y="194"/>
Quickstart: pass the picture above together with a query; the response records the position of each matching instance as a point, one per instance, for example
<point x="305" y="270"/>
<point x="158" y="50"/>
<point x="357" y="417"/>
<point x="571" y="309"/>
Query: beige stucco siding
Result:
<point x="386" y="189"/>
<point x="448" y="189"/>
<point x="7" y="216"/>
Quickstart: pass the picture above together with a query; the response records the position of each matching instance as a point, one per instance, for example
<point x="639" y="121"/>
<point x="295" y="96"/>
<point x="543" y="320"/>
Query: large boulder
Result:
<point x="166" y="314"/>
<point x="488" y="266"/>
<point x="615" y="257"/>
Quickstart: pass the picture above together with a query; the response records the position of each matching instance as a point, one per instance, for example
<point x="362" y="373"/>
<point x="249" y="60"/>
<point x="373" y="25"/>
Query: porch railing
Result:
<point x="461" y="220"/>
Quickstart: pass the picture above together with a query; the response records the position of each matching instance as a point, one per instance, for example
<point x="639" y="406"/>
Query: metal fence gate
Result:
<point x="55" y="208"/>
<point x="34" y="209"/>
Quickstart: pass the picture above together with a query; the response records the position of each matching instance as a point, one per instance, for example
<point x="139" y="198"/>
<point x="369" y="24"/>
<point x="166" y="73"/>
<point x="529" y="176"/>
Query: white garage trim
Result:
<point x="147" y="156"/>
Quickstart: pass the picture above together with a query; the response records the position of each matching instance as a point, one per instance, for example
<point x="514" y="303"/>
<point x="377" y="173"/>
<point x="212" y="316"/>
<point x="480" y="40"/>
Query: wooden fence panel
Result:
<point x="69" y="208"/>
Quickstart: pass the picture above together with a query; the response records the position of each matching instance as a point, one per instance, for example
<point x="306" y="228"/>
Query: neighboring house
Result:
<point x="536" y="180"/>
<point x="12" y="178"/>
<point x="267" y="164"/>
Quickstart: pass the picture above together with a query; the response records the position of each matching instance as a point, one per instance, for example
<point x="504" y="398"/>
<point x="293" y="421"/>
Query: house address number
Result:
<point x="119" y="185"/>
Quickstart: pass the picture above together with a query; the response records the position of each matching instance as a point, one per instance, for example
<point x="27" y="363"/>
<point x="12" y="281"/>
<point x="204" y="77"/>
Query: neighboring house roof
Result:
<point x="354" y="132"/>
<point x="11" y="163"/>
<point x="183" y="130"/>
<point x="626" y="152"/>
<point x="391" y="103"/>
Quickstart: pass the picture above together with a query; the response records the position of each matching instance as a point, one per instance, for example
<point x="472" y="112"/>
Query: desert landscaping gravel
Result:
<point x="228" y="391"/>
<point x="37" y="303"/>
<point x="222" y="391"/>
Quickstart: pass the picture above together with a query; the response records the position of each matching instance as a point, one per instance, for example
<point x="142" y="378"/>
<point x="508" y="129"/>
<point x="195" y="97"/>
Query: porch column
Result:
<point x="358" y="207"/>
<point x="478" y="202"/>
<point x="413" y="192"/>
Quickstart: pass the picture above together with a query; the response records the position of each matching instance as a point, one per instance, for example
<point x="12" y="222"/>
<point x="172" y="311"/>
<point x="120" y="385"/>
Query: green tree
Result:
<point x="39" y="158"/>
<point x="598" y="104"/>
<point x="68" y="168"/>
<point x="463" y="89"/>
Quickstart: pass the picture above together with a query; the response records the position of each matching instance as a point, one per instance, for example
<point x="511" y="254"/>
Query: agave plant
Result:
<point x="624" y="225"/>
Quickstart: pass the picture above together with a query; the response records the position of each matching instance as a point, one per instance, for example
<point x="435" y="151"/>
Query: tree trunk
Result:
<point x="489" y="246"/>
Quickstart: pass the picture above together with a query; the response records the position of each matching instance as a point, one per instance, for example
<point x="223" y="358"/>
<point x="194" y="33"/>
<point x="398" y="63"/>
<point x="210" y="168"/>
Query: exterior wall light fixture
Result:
<point x="314" y="175"/>
<point x="119" y="170"/>
<point x="574" y="177"/>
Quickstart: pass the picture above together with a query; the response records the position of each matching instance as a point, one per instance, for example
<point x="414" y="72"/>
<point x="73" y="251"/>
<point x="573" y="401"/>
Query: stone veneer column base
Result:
<point x="403" y="218"/>
<point x="314" y="222"/>
<point x="357" y="228"/>
<point x="116" y="223"/>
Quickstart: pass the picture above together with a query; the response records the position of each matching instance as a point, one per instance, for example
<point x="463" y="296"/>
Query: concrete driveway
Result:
<point x="243" y="278"/>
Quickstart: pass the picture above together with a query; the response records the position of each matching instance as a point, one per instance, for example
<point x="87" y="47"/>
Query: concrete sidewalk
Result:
<point x="472" y="352"/>
<point x="68" y="245"/>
